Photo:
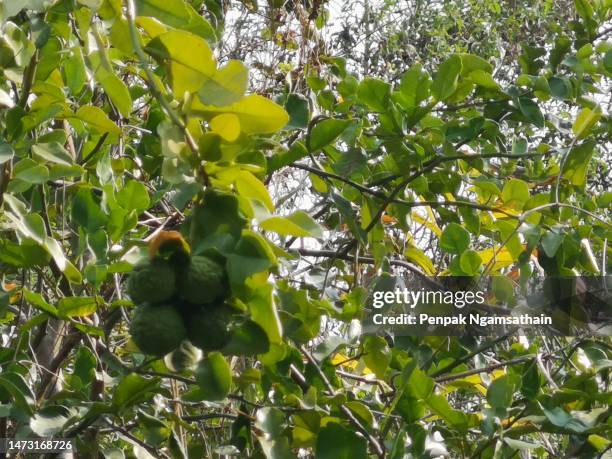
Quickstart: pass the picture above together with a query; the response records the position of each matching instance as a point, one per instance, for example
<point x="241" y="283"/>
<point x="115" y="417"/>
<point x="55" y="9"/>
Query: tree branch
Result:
<point x="376" y="446"/>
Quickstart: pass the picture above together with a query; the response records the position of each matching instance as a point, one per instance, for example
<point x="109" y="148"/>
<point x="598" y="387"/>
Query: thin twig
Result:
<point x="376" y="446"/>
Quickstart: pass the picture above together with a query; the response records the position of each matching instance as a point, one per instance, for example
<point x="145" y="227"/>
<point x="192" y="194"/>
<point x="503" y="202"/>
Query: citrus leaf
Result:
<point x="455" y="238"/>
<point x="97" y="119"/>
<point x="189" y="59"/>
<point x="445" y="82"/>
<point x="585" y="121"/>
<point x="226" y="86"/>
<point x="226" y="125"/>
<point x="325" y="132"/>
<point x="298" y="224"/>
<point x="214" y="377"/>
<point x="257" y="115"/>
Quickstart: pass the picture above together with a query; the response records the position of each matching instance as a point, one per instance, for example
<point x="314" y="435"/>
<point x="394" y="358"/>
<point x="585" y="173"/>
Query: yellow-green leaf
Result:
<point x="116" y="90"/>
<point x="298" y="224"/>
<point x="417" y="256"/>
<point x="97" y="120"/>
<point x="251" y="187"/>
<point x="227" y="125"/>
<point x="585" y="121"/>
<point x="189" y="59"/>
<point x="257" y="114"/>
<point x="484" y="79"/>
<point x="226" y="86"/>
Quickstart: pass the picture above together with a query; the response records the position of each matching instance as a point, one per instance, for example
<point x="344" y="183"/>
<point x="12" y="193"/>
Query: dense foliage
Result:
<point x="460" y="137"/>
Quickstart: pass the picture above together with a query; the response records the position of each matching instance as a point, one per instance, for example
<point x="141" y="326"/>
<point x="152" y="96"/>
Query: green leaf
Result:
<point x="377" y="354"/>
<point x="281" y="159"/>
<point x="577" y="163"/>
<point x="6" y="152"/>
<point x="454" y="418"/>
<point x="30" y="171"/>
<point x="484" y="79"/>
<point x="26" y="254"/>
<point x="214" y="377"/>
<point x="530" y="385"/>
<point x="470" y="262"/>
<point x="374" y="93"/>
<point x="600" y="443"/>
<point x="18" y="390"/>
<point x="85" y="365"/>
<point x="50" y="420"/>
<point x="199" y="26"/>
<point x="560" y="87"/>
<point x="36" y="300"/>
<point x="607" y="61"/>
<point x="97" y="120"/>
<point x="134" y="389"/>
<point x="250" y="186"/>
<point x="337" y="442"/>
<point x="133" y="196"/>
<point x="561" y="418"/>
<point x="226" y="86"/>
<point x="551" y="241"/>
<point x="515" y="191"/>
<point x="298" y="110"/>
<point x="584" y="9"/>
<point x="171" y="12"/>
<point x="585" y="121"/>
<point x="500" y="392"/>
<point x="419" y="257"/>
<point x="74" y="70"/>
<point x="52" y="152"/>
<point x="298" y="224"/>
<point x="519" y="147"/>
<point x="420" y="385"/>
<point x="520" y="445"/>
<point x="116" y="90"/>
<point x="217" y="222"/>
<point x="454" y="239"/>
<point x="189" y="59"/>
<point x="77" y="306"/>
<point x="531" y="111"/>
<point x="64" y="265"/>
<point x="445" y="82"/>
<point x="251" y="255"/>
<point x="264" y="313"/>
<point x="325" y="132"/>
<point x="155" y="430"/>
<point x="414" y="87"/>
<point x="502" y="288"/>
<point x="226" y="126"/>
<point x="274" y="443"/>
<point x="471" y="62"/>
<point x="257" y="114"/>
<point x="247" y="339"/>
<point x="86" y="210"/>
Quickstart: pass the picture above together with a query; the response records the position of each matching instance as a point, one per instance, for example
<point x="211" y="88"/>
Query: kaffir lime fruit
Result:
<point x="203" y="281"/>
<point x="157" y="329"/>
<point x="210" y="327"/>
<point x="152" y="282"/>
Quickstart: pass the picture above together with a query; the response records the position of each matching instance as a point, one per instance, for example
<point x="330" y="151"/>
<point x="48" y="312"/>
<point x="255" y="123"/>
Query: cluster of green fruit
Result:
<point x="180" y="299"/>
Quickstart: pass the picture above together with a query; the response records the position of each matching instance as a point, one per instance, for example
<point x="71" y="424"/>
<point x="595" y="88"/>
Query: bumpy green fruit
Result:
<point x="203" y="281"/>
<point x="152" y="282"/>
<point x="157" y="330"/>
<point x="185" y="357"/>
<point x="210" y="327"/>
